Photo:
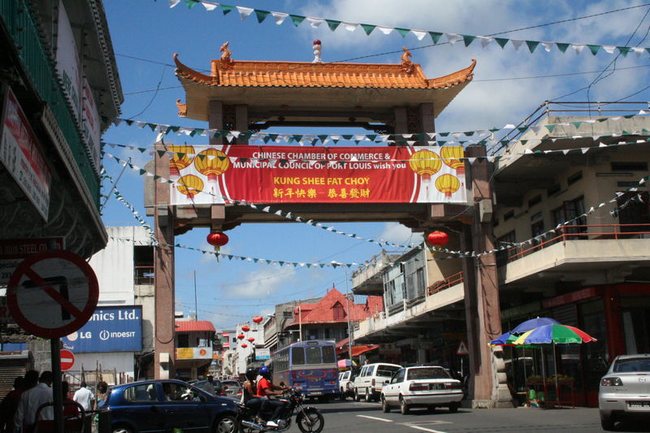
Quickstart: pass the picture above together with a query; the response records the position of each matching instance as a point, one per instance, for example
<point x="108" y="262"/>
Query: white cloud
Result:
<point x="261" y="284"/>
<point x="399" y="234"/>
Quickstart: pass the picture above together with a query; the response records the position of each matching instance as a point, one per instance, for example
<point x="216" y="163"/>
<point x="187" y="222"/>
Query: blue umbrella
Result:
<point x="532" y="324"/>
<point x="502" y="339"/>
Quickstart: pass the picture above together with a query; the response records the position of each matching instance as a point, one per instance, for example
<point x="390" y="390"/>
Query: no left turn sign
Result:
<point x="52" y="294"/>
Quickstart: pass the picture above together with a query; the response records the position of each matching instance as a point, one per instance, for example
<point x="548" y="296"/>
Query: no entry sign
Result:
<point x="52" y="294"/>
<point x="67" y="359"/>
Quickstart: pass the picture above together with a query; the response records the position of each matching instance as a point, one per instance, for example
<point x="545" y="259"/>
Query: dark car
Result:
<point x="232" y="388"/>
<point x="217" y="385"/>
<point x="163" y="406"/>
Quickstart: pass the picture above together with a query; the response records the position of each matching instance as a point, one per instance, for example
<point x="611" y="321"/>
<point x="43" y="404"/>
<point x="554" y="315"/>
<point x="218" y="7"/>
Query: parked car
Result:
<point x="232" y="388"/>
<point x="166" y="406"/>
<point x="371" y="380"/>
<point x="346" y="384"/>
<point x="426" y="386"/>
<point x="624" y="390"/>
<point x="216" y="384"/>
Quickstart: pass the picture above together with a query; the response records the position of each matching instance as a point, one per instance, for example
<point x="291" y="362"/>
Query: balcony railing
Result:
<point x="584" y="232"/>
<point x="441" y="285"/>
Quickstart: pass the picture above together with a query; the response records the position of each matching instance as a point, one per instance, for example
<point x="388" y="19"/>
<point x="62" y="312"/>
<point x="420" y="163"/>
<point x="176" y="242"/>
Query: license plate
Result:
<point x="436" y="386"/>
<point x="316" y="393"/>
<point x="638" y="403"/>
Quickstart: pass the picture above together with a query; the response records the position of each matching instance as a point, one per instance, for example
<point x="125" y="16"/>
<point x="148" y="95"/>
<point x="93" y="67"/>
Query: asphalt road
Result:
<point x="365" y="417"/>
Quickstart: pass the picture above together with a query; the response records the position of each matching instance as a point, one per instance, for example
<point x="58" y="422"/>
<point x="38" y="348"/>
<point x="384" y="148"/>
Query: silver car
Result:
<point x="625" y="390"/>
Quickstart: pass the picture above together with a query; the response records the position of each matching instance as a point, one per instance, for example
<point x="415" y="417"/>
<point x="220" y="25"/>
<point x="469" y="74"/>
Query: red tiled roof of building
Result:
<point x="327" y="311"/>
<point x="307" y="74"/>
<point x="194" y="326"/>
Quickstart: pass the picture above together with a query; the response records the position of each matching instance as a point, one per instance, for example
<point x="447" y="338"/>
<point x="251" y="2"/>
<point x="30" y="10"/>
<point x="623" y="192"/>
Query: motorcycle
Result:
<point x="308" y="418"/>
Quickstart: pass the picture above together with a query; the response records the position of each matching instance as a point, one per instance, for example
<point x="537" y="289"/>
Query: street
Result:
<point x="365" y="417"/>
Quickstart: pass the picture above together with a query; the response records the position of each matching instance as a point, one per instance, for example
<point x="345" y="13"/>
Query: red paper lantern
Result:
<point x="217" y="239"/>
<point x="244" y="345"/>
<point x="437" y="239"/>
<point x="241" y="336"/>
<point x="251" y="339"/>
<point x="258" y="319"/>
<point x="245" y="328"/>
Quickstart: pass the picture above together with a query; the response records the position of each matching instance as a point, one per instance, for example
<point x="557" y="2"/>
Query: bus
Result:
<point x="309" y="366"/>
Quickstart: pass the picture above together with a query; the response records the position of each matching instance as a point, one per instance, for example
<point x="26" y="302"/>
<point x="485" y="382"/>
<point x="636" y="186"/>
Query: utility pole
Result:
<point x="196" y="304"/>
<point x="350" y="329"/>
<point x="299" y="322"/>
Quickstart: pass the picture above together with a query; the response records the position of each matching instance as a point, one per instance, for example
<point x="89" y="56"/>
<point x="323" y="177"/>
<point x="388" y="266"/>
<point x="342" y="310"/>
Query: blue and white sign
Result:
<point x="110" y="329"/>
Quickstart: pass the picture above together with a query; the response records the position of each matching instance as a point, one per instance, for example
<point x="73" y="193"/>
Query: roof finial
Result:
<point x="407" y="64"/>
<point x="316" y="47"/>
<point x="226" y="54"/>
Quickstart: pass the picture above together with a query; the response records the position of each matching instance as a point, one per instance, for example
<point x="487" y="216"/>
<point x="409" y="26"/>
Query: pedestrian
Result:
<point x="102" y="389"/>
<point x="209" y="386"/>
<point x="31" y="400"/>
<point x="9" y="405"/>
<point x="84" y="396"/>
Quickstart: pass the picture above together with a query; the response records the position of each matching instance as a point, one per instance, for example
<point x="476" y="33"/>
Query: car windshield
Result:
<point x="427" y="373"/>
<point x="632" y="365"/>
<point x="386" y="370"/>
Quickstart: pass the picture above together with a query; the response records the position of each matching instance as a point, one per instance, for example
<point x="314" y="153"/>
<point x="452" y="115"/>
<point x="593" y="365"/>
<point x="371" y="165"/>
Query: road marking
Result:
<point x="376" y="418"/>
<point x="417" y="427"/>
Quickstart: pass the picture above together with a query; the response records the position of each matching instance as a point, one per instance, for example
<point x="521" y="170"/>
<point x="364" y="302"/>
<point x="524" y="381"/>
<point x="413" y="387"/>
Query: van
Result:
<point x="371" y="380"/>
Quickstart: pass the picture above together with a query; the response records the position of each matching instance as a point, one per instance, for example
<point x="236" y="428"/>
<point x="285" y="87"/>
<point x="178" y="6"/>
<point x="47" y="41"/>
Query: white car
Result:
<point x="625" y="390"/>
<point x="345" y="384"/>
<point x="371" y="380"/>
<point x="427" y="386"/>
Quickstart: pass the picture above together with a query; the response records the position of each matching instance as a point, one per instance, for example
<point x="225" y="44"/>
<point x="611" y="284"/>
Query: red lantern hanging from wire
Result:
<point x="258" y="319"/>
<point x="251" y="339"/>
<point x="244" y="345"/>
<point x="437" y="239"/>
<point x="217" y="239"/>
<point x="241" y="336"/>
<point x="245" y="328"/>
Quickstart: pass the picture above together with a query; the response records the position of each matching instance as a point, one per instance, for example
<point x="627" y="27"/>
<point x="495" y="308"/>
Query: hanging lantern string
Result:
<point x="288" y="215"/>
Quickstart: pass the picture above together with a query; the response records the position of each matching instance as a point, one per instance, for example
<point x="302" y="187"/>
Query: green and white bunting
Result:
<point x="279" y="18"/>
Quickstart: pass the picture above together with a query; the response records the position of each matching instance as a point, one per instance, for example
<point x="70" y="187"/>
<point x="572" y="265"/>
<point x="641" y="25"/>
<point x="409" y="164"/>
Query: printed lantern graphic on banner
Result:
<point x="251" y="339"/>
<point x="447" y="184"/>
<point x="211" y="163"/>
<point x="244" y="345"/>
<point x="245" y="328"/>
<point x="258" y="319"/>
<point x="180" y="159"/>
<point x="190" y="185"/>
<point x="437" y="239"/>
<point x="453" y="157"/>
<point x="425" y="163"/>
<point x="241" y="336"/>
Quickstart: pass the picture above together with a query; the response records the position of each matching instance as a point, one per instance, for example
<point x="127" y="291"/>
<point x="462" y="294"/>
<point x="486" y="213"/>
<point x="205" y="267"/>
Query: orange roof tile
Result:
<point x="194" y="326"/>
<point x="302" y="74"/>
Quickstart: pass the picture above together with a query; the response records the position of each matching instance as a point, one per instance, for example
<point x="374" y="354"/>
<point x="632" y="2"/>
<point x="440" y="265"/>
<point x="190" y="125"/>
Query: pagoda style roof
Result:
<point x="302" y="74"/>
<point x="315" y="91"/>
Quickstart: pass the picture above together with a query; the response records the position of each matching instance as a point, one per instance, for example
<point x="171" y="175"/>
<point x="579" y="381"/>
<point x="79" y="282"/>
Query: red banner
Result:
<point x="282" y="174"/>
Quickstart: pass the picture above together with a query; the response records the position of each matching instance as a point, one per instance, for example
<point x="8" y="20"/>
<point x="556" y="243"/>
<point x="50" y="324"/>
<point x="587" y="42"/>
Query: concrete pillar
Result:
<point x="215" y="119"/>
<point x="164" y="324"/>
<point x="426" y="119"/>
<point x="487" y="386"/>
<point x="241" y="121"/>
<point x="401" y="120"/>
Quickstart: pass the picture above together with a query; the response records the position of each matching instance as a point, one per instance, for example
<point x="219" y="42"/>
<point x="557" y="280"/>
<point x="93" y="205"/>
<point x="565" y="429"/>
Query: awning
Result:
<point x="361" y="349"/>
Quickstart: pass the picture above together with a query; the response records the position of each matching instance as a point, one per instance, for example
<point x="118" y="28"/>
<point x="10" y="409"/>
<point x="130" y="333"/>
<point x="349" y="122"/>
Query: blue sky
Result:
<point x="146" y="33"/>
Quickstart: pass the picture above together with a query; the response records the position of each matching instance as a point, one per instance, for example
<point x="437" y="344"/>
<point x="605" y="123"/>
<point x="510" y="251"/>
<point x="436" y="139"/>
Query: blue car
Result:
<point x="166" y="406"/>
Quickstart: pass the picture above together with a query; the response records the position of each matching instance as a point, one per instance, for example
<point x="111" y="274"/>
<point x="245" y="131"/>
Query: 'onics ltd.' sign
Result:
<point x="110" y="329"/>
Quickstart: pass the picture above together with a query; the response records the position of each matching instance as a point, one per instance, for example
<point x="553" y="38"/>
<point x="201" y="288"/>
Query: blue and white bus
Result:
<point x="309" y="366"/>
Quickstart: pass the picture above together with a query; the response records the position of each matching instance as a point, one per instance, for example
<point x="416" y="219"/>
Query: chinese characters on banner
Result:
<point x="283" y="174"/>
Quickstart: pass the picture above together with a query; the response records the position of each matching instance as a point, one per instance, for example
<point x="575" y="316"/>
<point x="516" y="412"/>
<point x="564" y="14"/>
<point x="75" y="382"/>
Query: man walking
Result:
<point x="31" y="400"/>
<point x="84" y="396"/>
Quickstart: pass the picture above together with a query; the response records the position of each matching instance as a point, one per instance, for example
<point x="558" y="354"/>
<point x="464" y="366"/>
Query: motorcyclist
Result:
<point x="265" y="389"/>
<point x="249" y="394"/>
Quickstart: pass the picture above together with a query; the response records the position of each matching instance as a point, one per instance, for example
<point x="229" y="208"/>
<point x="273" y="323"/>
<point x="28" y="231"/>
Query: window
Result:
<point x="630" y="166"/>
<point x="329" y="354"/>
<point x="574" y="178"/>
<point x="183" y="340"/>
<point x="140" y="393"/>
<point x="569" y="212"/>
<point x="313" y="355"/>
<point x="338" y="312"/>
<point x="427" y="373"/>
<point x="297" y="355"/>
<point x="399" y="376"/>
<point x="537" y="228"/>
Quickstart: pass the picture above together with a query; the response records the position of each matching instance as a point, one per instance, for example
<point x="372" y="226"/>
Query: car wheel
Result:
<point x="368" y="395"/>
<point x="607" y="422"/>
<point x="226" y="424"/>
<point x="403" y="407"/>
<point x="384" y="405"/>
<point x="121" y="429"/>
<point x="453" y="407"/>
<point x="357" y="397"/>
<point x="342" y="395"/>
